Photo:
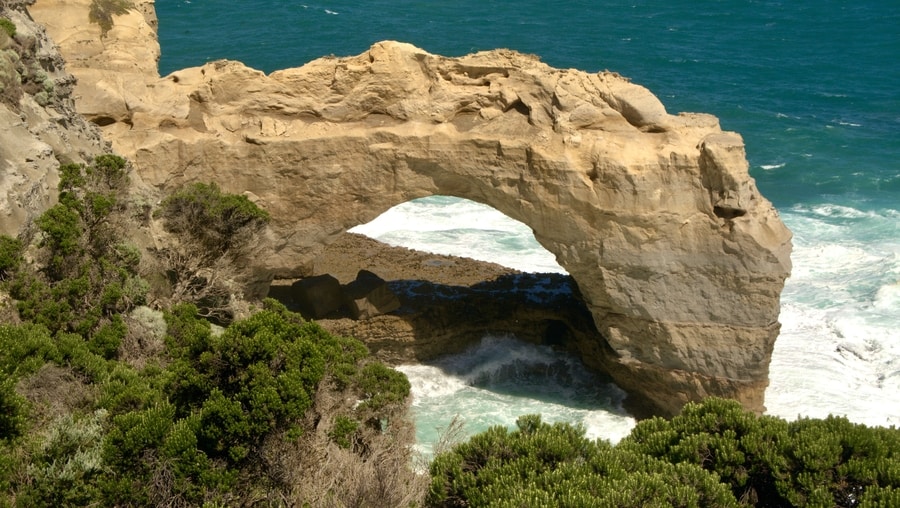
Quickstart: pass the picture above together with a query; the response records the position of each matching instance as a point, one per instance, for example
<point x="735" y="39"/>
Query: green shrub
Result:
<point x="25" y="348"/>
<point x="68" y="467"/>
<point x="257" y="377"/>
<point x="8" y="26"/>
<point x="102" y="12"/>
<point x="13" y="409"/>
<point x="76" y="353"/>
<point x="10" y="256"/>
<point x="211" y="261"/>
<point x="343" y="430"/>
<point x="125" y="389"/>
<point x="711" y="454"/>
<point x="88" y="276"/>
<point x="381" y="386"/>
<point x="199" y="426"/>
<point x="218" y="222"/>
<point x="556" y="465"/>
<point x="771" y="462"/>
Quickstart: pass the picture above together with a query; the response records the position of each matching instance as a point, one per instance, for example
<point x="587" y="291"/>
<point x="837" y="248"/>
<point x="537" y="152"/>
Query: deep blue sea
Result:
<point x="813" y="87"/>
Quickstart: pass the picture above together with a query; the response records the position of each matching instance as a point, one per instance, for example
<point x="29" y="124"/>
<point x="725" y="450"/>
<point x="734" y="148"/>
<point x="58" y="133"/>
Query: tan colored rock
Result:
<point x="112" y="68"/>
<point x="680" y="259"/>
<point x="41" y="129"/>
<point x="368" y="296"/>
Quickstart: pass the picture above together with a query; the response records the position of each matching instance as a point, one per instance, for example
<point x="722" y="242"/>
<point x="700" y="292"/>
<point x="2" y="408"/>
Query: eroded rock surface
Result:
<point x="39" y="127"/>
<point x="679" y="258"/>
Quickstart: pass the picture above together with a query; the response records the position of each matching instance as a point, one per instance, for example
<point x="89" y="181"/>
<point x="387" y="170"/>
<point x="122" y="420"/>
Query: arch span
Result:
<point x="679" y="257"/>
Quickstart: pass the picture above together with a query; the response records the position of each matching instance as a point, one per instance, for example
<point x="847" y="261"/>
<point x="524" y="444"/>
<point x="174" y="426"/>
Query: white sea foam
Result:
<point x="500" y="379"/>
<point x="458" y="227"/>
<point x="839" y="347"/>
<point x="887" y="298"/>
<point x="834" y="362"/>
<point x="769" y="167"/>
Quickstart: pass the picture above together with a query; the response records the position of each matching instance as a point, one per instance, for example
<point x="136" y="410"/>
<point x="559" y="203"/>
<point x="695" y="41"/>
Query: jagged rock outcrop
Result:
<point x="369" y="296"/>
<point x="679" y="258"/>
<point x="39" y="127"/>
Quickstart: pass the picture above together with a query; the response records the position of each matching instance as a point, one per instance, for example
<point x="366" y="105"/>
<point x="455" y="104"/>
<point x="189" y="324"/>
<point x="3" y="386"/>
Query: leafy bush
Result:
<point x="67" y="468"/>
<point x="8" y="26"/>
<point x="769" y="461"/>
<point x="13" y="409"/>
<point x="219" y="222"/>
<point x="343" y="430"/>
<point x="226" y="397"/>
<point x="556" y="465"/>
<point x="88" y="277"/>
<point x="381" y="386"/>
<point x="217" y="233"/>
<point x="25" y="348"/>
<point x="712" y="454"/>
<point x="10" y="256"/>
<point x="257" y="377"/>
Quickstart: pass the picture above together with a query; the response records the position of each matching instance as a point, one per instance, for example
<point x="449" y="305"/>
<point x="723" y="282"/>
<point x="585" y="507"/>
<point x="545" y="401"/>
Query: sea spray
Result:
<point x="502" y="378"/>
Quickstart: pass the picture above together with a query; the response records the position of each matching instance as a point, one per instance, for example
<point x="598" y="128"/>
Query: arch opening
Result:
<point x="454" y="226"/>
<point x="502" y="341"/>
<point x="444" y="271"/>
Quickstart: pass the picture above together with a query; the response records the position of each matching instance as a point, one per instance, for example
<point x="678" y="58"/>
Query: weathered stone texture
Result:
<point x="679" y="257"/>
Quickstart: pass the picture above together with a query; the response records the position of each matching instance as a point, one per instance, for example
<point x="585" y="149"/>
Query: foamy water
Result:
<point x="839" y="348"/>
<point x="838" y="352"/>
<point x="500" y="379"/>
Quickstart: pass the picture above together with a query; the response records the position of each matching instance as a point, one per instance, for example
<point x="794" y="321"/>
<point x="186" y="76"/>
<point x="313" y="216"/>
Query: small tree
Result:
<point x="217" y="234"/>
<point x="10" y="256"/>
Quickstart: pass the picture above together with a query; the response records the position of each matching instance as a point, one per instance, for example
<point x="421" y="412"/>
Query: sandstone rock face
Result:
<point x="40" y="128"/>
<point x="681" y="261"/>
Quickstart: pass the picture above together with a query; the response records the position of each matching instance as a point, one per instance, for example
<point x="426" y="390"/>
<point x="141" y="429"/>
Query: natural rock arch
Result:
<point x="680" y="259"/>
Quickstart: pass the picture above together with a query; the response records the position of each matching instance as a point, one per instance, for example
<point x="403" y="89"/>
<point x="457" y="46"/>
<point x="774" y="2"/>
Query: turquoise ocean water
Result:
<point x="813" y="87"/>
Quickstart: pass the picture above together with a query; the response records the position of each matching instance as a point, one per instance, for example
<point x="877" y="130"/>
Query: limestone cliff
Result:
<point x="681" y="261"/>
<point x="39" y="127"/>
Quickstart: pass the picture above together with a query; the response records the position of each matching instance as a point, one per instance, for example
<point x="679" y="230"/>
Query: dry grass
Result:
<point x="145" y="341"/>
<point x="376" y="471"/>
<point x="56" y="391"/>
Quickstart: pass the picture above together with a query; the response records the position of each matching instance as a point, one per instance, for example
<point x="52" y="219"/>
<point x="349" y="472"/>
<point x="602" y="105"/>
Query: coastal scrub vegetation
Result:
<point x="8" y="26"/>
<point x="216" y="236"/>
<point x="22" y="70"/>
<point x="127" y="381"/>
<point x="105" y="401"/>
<point x="712" y="454"/>
<point x="102" y="12"/>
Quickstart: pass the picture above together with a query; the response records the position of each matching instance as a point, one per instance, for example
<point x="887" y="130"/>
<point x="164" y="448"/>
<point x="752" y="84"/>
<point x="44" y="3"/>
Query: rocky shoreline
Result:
<point x="447" y="302"/>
